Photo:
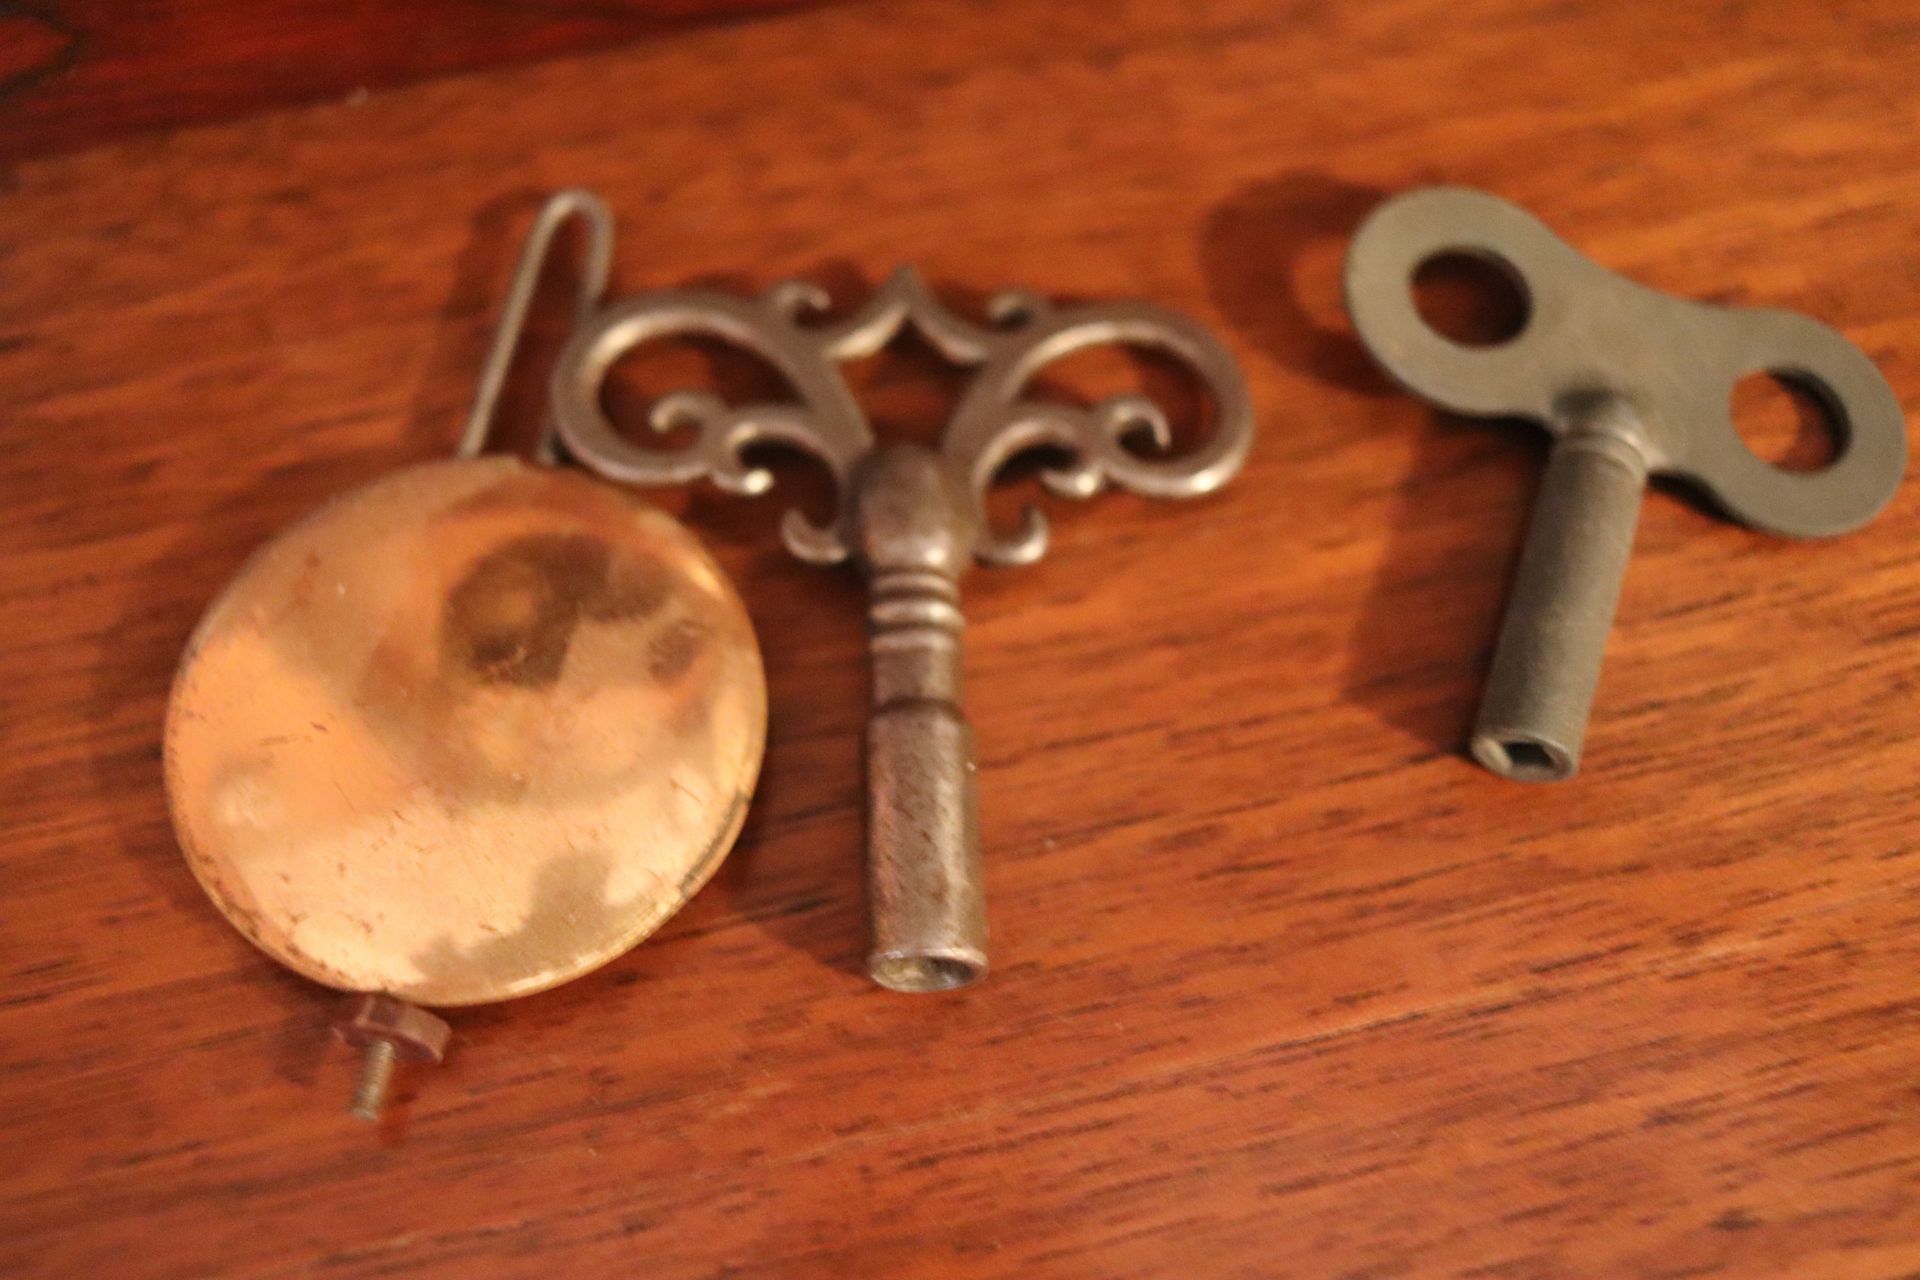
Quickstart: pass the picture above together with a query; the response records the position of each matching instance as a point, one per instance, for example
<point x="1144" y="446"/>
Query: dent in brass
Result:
<point x="466" y="733"/>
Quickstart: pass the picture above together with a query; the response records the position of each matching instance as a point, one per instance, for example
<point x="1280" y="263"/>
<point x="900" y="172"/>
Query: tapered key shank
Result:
<point x="1546" y="666"/>
<point x="925" y="890"/>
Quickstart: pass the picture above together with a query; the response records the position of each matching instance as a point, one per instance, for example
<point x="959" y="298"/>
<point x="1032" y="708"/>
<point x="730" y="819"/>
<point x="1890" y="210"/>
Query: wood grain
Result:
<point x="1284" y="986"/>
<point x="79" y="72"/>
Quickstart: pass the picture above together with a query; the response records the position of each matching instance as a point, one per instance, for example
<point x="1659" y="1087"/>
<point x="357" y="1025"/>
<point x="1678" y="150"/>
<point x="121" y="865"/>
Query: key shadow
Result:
<point x="1418" y="651"/>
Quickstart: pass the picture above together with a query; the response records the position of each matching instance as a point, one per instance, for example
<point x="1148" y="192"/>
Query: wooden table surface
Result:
<point x="1283" y="985"/>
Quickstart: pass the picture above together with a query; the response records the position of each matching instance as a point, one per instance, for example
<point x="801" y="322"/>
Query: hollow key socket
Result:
<point x="1631" y="383"/>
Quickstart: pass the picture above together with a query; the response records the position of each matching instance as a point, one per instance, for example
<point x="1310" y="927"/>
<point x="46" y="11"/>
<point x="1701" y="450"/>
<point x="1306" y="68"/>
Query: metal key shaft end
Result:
<point x="388" y="1031"/>
<point x="925" y="882"/>
<point x="926" y="892"/>
<point x="1546" y="665"/>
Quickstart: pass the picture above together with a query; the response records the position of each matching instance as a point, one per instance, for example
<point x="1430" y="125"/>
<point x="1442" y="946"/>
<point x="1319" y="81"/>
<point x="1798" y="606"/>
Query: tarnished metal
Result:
<point x="465" y="733"/>
<point x="912" y="518"/>
<point x="596" y="261"/>
<point x="388" y="1031"/>
<point x="469" y="731"/>
<point x="1630" y="382"/>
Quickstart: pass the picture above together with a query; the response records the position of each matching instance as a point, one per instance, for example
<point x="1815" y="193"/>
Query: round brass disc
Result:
<point x="465" y="733"/>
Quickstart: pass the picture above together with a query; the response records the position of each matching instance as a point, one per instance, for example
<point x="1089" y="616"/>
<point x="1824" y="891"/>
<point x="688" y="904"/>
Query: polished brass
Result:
<point x="470" y="731"/>
<point x="465" y="733"/>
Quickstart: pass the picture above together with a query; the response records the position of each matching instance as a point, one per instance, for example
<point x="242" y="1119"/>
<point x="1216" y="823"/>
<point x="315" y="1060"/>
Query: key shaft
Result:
<point x="925" y="887"/>
<point x="1546" y="666"/>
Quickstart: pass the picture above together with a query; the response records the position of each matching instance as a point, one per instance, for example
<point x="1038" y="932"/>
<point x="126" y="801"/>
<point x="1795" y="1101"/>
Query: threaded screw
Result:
<point x="387" y="1030"/>
<point x="376" y="1077"/>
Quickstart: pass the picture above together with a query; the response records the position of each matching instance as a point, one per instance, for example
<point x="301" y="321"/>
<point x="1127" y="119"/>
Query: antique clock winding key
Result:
<point x="468" y="732"/>
<point x="1631" y="383"/>
<point x="912" y="519"/>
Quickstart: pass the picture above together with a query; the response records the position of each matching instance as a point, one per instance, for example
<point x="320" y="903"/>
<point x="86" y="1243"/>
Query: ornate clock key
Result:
<point x="468" y="732"/>
<point x="912" y="519"/>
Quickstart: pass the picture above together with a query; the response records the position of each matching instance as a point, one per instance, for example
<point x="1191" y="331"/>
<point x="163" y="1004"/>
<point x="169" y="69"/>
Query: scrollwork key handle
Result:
<point x="912" y="519"/>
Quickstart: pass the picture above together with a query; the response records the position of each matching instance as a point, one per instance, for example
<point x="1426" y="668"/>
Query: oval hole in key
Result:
<point x="1789" y="420"/>
<point x="1471" y="297"/>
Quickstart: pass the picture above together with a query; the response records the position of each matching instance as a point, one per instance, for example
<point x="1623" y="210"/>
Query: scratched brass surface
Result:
<point x="465" y="733"/>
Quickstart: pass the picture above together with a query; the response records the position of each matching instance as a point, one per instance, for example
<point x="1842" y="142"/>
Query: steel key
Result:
<point x="1630" y="382"/>
<point x="912" y="518"/>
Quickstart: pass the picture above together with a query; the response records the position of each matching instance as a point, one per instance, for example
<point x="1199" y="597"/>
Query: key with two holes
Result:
<point x="1631" y="383"/>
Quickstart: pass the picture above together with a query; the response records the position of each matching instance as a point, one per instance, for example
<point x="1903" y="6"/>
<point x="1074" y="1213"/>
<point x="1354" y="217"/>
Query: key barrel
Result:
<point x="924" y="884"/>
<point x="1533" y="716"/>
<point x="924" y="880"/>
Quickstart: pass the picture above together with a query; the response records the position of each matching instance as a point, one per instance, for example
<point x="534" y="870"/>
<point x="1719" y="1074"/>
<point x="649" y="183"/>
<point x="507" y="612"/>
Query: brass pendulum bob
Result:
<point x="468" y="732"/>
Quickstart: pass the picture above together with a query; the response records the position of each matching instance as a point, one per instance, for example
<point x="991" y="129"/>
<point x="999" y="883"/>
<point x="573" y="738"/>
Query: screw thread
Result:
<point x="376" y="1076"/>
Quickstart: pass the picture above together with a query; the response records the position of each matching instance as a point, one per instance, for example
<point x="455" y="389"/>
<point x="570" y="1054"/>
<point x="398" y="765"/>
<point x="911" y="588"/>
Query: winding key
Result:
<point x="1631" y="383"/>
<point x="912" y="518"/>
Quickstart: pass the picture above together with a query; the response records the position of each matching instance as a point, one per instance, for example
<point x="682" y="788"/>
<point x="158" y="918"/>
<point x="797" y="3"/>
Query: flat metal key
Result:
<point x="912" y="518"/>
<point x="1631" y="383"/>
